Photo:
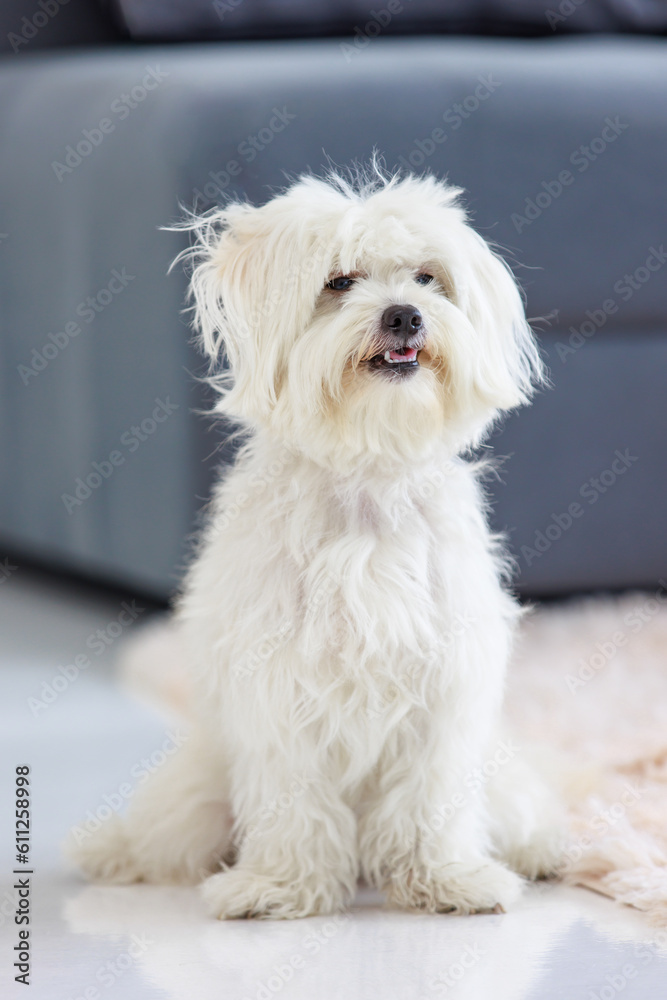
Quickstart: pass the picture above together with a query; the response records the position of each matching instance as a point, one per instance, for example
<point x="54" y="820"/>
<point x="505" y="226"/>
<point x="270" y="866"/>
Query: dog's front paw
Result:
<point x="240" y="892"/>
<point x="460" y="887"/>
<point x="540" y="856"/>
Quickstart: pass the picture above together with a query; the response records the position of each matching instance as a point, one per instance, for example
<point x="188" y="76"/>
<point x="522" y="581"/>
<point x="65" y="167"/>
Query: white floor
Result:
<point x="96" y="943"/>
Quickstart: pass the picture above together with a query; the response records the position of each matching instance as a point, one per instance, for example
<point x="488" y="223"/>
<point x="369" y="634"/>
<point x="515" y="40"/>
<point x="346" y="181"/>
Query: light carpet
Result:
<point x="589" y="678"/>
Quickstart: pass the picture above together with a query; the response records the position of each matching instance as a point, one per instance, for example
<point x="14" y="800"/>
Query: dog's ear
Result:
<point x="256" y="277"/>
<point x="507" y="363"/>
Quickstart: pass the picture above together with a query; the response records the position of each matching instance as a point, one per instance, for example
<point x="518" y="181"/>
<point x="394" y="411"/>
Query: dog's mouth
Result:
<point x="401" y="361"/>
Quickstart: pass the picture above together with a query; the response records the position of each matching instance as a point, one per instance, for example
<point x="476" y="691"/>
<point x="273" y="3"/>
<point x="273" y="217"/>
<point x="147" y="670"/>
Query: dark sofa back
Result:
<point x="28" y="25"/>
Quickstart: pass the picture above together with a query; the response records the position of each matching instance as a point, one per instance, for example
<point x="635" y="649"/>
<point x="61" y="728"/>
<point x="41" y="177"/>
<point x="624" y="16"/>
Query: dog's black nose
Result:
<point x="403" y="320"/>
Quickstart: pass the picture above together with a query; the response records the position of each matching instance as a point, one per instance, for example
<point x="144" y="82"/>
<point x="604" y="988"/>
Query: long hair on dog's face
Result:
<point x="360" y="321"/>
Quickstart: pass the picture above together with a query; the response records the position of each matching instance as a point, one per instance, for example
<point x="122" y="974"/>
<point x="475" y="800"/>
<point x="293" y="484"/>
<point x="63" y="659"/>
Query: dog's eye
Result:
<point x="424" y="279"/>
<point x="340" y="284"/>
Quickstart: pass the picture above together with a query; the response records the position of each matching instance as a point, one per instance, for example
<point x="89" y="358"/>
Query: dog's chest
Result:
<point x="367" y="586"/>
<point x="377" y="584"/>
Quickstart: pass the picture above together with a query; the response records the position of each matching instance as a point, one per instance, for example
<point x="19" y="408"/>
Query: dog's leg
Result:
<point x="297" y="853"/>
<point x="177" y="827"/>
<point x="424" y="837"/>
<point x="527" y="819"/>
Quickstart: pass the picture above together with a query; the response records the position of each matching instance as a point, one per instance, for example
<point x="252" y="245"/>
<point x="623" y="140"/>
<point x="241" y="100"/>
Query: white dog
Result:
<point x="345" y="619"/>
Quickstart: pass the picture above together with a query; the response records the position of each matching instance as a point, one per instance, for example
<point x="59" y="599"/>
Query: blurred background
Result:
<point x="551" y="116"/>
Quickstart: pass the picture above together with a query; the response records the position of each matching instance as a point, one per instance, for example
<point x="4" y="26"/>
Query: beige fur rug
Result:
<point x="590" y="679"/>
<point x="588" y="682"/>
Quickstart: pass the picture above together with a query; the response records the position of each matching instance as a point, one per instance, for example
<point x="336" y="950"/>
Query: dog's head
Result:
<point x="361" y="321"/>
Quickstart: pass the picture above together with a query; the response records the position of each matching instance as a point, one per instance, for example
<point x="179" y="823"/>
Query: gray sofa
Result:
<point x="560" y="144"/>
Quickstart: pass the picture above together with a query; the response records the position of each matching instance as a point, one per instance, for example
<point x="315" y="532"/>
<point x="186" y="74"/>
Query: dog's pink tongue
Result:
<point x="407" y="354"/>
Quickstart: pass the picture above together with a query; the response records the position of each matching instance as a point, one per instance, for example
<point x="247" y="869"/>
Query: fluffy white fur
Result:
<point x="345" y="618"/>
